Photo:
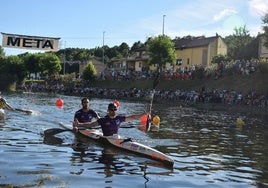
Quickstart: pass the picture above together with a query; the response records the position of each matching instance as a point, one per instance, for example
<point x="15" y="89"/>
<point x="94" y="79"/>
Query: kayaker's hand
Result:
<point x="75" y="123"/>
<point x="75" y="129"/>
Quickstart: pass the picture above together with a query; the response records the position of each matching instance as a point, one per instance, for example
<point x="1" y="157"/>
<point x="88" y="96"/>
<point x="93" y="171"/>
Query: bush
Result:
<point x="199" y="73"/>
<point x="7" y="82"/>
<point x="263" y="67"/>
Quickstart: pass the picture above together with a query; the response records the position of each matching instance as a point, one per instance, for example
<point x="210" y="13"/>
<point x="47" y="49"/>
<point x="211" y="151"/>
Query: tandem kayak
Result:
<point x="126" y="144"/>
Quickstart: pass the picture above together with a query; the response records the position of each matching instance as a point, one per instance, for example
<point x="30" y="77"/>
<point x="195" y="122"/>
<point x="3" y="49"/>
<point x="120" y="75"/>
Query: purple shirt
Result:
<point x="109" y="125"/>
<point x="85" y="116"/>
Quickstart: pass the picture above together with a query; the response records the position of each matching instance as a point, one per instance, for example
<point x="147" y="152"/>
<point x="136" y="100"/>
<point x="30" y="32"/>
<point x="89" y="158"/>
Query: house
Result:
<point x="189" y="51"/>
<point x="198" y="51"/>
<point x="263" y="51"/>
<point x="99" y="66"/>
<point x="136" y="62"/>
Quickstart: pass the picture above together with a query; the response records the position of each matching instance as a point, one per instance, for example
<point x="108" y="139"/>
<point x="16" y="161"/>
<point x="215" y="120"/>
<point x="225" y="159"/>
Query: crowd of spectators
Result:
<point x="204" y="95"/>
<point x="243" y="67"/>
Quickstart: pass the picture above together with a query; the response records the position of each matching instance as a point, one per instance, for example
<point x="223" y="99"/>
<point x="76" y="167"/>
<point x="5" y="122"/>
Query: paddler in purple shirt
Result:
<point x="85" y="114"/>
<point x="110" y="123"/>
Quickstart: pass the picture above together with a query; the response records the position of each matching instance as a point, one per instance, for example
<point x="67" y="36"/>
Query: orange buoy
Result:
<point x="156" y="120"/>
<point x="59" y="102"/>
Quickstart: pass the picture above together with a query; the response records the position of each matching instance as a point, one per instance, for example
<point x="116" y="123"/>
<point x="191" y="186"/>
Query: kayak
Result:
<point x="126" y="144"/>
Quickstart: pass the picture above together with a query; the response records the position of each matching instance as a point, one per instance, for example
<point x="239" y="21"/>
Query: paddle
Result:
<point x="54" y="131"/>
<point x="25" y="111"/>
<point x="155" y="83"/>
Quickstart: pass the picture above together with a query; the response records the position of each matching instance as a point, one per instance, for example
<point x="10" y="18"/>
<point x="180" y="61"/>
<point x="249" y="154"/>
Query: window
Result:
<point x="179" y="62"/>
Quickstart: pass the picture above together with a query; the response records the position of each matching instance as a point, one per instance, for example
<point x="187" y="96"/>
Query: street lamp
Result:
<point x="163" y="31"/>
<point x="103" y="47"/>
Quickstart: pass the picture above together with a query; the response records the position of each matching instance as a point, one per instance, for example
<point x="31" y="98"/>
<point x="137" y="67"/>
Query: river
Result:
<point x="209" y="148"/>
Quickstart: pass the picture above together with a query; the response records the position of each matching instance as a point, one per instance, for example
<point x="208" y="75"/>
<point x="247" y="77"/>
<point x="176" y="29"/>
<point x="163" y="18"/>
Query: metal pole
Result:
<point x="103" y="47"/>
<point x="163" y="31"/>
<point x="64" y="58"/>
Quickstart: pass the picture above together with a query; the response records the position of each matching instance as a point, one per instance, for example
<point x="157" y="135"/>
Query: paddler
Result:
<point x="111" y="122"/>
<point x="85" y="114"/>
<point x="4" y="105"/>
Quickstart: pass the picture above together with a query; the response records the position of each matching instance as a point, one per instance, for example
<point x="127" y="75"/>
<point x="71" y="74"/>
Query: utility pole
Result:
<point x="103" y="47"/>
<point x="64" y="58"/>
<point x="163" y="31"/>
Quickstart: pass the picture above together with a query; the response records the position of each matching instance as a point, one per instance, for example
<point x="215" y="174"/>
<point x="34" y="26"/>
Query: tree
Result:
<point x="161" y="50"/>
<point x="50" y="64"/>
<point x="12" y="71"/>
<point x="218" y="59"/>
<point x="136" y="46"/>
<point x="2" y="53"/>
<point x="32" y="63"/>
<point x="238" y="44"/>
<point x="89" y="72"/>
<point x="124" y="49"/>
<point x="265" y="28"/>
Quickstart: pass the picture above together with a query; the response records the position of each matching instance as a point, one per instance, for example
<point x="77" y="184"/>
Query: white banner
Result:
<point x="30" y="42"/>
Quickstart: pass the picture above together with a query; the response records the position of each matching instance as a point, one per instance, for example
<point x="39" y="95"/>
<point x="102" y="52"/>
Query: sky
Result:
<point x="92" y="23"/>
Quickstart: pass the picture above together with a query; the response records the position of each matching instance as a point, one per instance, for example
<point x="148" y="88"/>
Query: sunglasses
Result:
<point x="113" y="110"/>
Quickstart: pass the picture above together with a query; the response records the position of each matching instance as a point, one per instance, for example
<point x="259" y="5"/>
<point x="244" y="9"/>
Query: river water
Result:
<point x="209" y="148"/>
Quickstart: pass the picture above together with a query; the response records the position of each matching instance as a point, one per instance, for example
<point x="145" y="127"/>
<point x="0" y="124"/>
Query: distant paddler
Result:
<point x="4" y="105"/>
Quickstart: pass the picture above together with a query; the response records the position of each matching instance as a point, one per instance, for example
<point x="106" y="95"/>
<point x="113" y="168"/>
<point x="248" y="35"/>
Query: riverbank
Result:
<point x="233" y="92"/>
<point x="245" y="84"/>
<point x="241" y="83"/>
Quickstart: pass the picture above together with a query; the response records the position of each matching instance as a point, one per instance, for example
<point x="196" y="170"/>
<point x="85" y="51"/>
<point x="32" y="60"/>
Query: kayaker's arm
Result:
<point x="5" y="104"/>
<point x="76" y="123"/>
<point x="137" y="116"/>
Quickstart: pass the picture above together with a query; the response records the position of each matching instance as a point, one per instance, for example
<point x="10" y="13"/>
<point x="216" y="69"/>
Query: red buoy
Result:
<point x="116" y="103"/>
<point x="59" y="102"/>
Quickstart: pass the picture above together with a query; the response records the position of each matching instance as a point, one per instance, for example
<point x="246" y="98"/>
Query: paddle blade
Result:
<point x="54" y="131"/>
<point x="25" y="111"/>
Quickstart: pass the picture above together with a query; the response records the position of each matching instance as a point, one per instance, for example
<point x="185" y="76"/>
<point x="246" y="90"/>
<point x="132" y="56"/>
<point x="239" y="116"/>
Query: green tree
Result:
<point x="2" y="53"/>
<point x="112" y="53"/>
<point x="50" y="64"/>
<point x="218" y="59"/>
<point x="265" y="28"/>
<point x="161" y="50"/>
<point x="89" y="72"/>
<point x="136" y="46"/>
<point x="238" y="44"/>
<point x="12" y="71"/>
<point x="15" y="66"/>
<point x="124" y="49"/>
<point x="32" y="63"/>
